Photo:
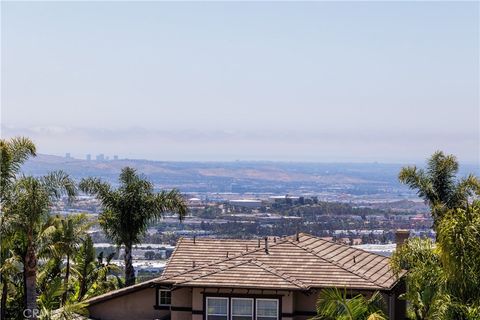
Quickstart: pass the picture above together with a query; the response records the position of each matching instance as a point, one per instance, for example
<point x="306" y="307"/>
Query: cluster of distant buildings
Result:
<point x="98" y="157"/>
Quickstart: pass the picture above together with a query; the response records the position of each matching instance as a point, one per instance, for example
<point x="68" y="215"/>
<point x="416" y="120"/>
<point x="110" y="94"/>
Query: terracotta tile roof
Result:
<point x="248" y="273"/>
<point x="310" y="262"/>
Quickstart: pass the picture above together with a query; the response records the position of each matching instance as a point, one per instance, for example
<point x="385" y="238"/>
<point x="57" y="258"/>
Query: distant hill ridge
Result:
<point x="203" y="174"/>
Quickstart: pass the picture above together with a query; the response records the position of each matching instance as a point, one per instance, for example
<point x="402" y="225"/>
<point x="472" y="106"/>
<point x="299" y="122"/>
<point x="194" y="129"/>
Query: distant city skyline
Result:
<point x="224" y="81"/>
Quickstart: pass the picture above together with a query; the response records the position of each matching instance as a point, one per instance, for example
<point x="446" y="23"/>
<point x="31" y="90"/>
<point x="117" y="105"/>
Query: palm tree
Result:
<point x="438" y="184"/>
<point x="13" y="153"/>
<point x="71" y="231"/>
<point x="93" y="274"/>
<point x="128" y="210"/>
<point x="333" y="304"/>
<point x="27" y="210"/>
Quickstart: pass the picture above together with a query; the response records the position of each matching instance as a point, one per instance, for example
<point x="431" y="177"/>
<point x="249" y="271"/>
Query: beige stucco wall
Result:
<point x="304" y="303"/>
<point x="182" y="298"/>
<point x="136" y="305"/>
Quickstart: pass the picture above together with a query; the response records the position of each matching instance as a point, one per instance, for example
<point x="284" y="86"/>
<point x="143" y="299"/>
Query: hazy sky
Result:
<point x="324" y="81"/>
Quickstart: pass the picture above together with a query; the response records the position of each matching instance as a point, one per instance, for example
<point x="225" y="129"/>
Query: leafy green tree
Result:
<point x="26" y="211"/>
<point x="128" y="210"/>
<point x="149" y="255"/>
<point x="333" y="304"/>
<point x="12" y="291"/>
<point x="459" y="251"/>
<point x="425" y="278"/>
<point x="438" y="184"/>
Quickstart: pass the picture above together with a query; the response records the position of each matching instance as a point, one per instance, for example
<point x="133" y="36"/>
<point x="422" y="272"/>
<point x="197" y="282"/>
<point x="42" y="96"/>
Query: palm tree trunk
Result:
<point x="65" y="283"/>
<point x="129" y="270"/>
<point x="31" y="280"/>
<point x="4" y="297"/>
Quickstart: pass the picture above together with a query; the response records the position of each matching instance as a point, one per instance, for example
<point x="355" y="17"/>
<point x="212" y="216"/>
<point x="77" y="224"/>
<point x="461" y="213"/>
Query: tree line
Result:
<point x="48" y="265"/>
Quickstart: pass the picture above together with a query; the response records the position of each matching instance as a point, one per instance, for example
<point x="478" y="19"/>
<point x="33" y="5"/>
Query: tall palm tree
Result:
<point x="333" y="304"/>
<point x="27" y="210"/>
<point x="438" y="184"/>
<point x="71" y="231"/>
<point x="13" y="153"/>
<point x="128" y="210"/>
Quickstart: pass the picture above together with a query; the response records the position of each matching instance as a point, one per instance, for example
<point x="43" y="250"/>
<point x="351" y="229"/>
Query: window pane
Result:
<point x="242" y="307"/>
<point x="165" y="297"/>
<point x="267" y="308"/>
<point x="217" y="306"/>
<point x="217" y="317"/>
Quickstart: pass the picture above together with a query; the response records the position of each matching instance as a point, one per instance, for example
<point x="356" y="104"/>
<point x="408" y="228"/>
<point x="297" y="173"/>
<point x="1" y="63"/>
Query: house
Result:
<point x="268" y="279"/>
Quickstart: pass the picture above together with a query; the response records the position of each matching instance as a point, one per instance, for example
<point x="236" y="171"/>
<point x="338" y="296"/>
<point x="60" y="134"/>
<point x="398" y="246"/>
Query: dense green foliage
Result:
<point x="334" y="304"/>
<point x="443" y="278"/>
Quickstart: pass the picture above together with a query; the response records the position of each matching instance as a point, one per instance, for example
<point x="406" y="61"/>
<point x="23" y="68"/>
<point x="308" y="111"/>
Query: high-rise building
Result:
<point x="89" y="157"/>
<point x="115" y="157"/>
<point x="100" y="157"/>
<point x="67" y="155"/>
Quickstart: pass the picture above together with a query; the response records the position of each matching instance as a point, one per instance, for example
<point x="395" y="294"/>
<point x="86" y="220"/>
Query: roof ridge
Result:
<point x="278" y="273"/>
<point x="243" y="253"/>
<point x="256" y="262"/>
<point x="337" y="264"/>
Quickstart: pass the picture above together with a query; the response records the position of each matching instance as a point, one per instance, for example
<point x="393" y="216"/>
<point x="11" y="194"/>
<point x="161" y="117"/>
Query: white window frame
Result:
<point x="262" y="299"/>
<point x="212" y="314"/>
<point x="160" y="297"/>
<point x="241" y="315"/>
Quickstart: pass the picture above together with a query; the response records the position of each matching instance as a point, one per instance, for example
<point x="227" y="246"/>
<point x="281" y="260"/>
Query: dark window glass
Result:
<point x="242" y="309"/>
<point x="267" y="309"/>
<point x="164" y="297"/>
<point x="217" y="308"/>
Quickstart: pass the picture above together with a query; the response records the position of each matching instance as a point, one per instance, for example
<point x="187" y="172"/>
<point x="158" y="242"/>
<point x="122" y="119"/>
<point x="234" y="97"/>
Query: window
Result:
<point x="217" y="308"/>
<point x="164" y="297"/>
<point x="242" y="309"/>
<point x="267" y="309"/>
